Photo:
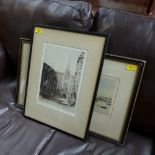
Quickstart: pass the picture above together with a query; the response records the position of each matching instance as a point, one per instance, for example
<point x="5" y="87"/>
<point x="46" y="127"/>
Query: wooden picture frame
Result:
<point x="59" y="93"/>
<point x="116" y="96"/>
<point x="24" y="57"/>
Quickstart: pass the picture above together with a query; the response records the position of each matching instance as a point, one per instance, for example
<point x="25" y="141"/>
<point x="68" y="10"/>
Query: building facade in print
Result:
<point x="62" y="87"/>
<point x="78" y="72"/>
<point x="68" y="84"/>
<point x="64" y="84"/>
<point x="49" y="82"/>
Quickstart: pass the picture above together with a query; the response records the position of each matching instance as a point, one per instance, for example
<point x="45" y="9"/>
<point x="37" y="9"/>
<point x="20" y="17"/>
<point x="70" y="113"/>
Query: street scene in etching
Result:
<point x="61" y="76"/>
<point x="106" y="94"/>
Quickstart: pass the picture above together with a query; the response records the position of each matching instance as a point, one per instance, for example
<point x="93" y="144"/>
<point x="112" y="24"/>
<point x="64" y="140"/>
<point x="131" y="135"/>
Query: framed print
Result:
<point x="25" y="45"/>
<point x="60" y="91"/>
<point x="116" y="95"/>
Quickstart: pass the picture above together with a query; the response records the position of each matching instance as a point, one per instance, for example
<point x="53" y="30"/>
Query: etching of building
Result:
<point x="78" y="73"/>
<point x="64" y="86"/>
<point x="69" y="84"/>
<point x="48" y="82"/>
<point x="65" y="83"/>
<point x="60" y="82"/>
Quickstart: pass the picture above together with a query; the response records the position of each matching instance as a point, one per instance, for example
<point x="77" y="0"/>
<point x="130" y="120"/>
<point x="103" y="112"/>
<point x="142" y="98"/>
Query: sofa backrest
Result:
<point x="133" y="36"/>
<point x="17" y="18"/>
<point x="136" y="6"/>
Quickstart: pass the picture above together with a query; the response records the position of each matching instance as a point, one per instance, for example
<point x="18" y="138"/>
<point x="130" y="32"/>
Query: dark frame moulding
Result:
<point x="22" y="41"/>
<point x="138" y="80"/>
<point x="106" y="36"/>
<point x="112" y="57"/>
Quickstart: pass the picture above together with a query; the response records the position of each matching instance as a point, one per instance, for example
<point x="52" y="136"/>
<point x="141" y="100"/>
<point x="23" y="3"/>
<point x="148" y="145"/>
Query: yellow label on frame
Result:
<point x="38" y="30"/>
<point x="131" y="67"/>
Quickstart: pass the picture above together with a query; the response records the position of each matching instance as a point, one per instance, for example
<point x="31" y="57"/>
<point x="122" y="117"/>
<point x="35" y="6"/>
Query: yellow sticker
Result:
<point x="38" y="30"/>
<point x="132" y="67"/>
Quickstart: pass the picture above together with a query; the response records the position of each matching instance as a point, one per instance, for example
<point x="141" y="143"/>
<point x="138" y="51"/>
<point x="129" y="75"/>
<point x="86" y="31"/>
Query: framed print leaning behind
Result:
<point x="24" y="57"/>
<point x="61" y="86"/>
<point x="117" y="92"/>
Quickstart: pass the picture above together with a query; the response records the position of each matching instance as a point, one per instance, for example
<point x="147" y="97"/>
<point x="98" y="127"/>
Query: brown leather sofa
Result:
<point x="135" y="6"/>
<point x="152" y="13"/>
<point x="130" y="35"/>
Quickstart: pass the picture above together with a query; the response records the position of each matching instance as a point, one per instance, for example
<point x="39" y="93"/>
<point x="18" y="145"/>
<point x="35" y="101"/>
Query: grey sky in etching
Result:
<point x="107" y="86"/>
<point x="60" y="57"/>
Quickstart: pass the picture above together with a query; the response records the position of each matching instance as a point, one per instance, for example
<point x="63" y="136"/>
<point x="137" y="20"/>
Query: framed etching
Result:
<point x="116" y="95"/>
<point x="25" y="45"/>
<point x="59" y="93"/>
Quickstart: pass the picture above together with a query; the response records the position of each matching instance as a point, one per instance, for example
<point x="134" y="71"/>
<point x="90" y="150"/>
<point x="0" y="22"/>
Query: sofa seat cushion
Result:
<point x="19" y="16"/>
<point x="133" y="36"/>
<point x="136" y="144"/>
<point x="19" y="135"/>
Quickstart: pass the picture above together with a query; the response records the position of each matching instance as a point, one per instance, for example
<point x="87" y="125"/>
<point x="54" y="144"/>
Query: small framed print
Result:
<point x="116" y="95"/>
<point x="59" y="93"/>
<point x="25" y="45"/>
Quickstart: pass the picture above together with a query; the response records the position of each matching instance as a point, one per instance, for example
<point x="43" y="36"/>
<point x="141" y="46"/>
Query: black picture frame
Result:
<point x="131" y="65"/>
<point x="29" y="106"/>
<point x="22" y="73"/>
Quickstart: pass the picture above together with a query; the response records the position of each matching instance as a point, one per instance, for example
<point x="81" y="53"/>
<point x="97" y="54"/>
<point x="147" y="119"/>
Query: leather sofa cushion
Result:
<point x="18" y="135"/>
<point x="19" y="16"/>
<point x="60" y="143"/>
<point x="133" y="36"/>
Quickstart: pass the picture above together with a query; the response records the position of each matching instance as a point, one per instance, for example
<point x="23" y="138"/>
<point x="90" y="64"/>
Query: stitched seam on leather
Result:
<point x="81" y="12"/>
<point x="69" y="6"/>
<point x="125" y="12"/>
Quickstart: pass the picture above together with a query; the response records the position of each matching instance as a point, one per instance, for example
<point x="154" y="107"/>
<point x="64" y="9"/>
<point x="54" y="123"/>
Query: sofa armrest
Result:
<point x="4" y="65"/>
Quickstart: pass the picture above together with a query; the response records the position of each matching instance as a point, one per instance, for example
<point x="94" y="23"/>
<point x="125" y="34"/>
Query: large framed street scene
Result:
<point x="61" y="88"/>
<point x="61" y="82"/>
